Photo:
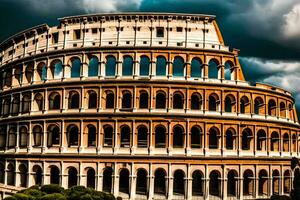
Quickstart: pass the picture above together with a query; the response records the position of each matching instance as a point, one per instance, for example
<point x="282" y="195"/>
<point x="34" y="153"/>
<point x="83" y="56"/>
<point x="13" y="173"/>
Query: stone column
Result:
<point x="150" y="183"/>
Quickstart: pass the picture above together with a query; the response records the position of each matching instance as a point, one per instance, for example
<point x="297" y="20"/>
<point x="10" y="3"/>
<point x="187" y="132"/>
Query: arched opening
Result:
<point x="93" y="66"/>
<point x="12" y="137"/>
<point x="143" y="101"/>
<point x="3" y="133"/>
<point x="229" y="103"/>
<point x="54" y="101"/>
<point x="38" y="175"/>
<point x="92" y="100"/>
<point x="161" y="65"/>
<point x="23" y="137"/>
<point x="110" y="100"/>
<point x="196" y="101"/>
<point x="142" y="137"/>
<point x="160" y="182"/>
<point x="178" y="137"/>
<point x="124" y="181"/>
<point x="275" y="183"/>
<point x="29" y="72"/>
<point x="261" y="140"/>
<point x="7" y="78"/>
<point x="282" y="110"/>
<point x="244" y="105"/>
<point x="73" y="100"/>
<point x="73" y="136"/>
<point x="196" y="137"/>
<point x="197" y="183"/>
<point x="6" y="107"/>
<point x="248" y="183"/>
<point x="53" y="135"/>
<point x="178" y="67"/>
<point x="38" y="102"/>
<point x="37" y="136"/>
<point x="56" y="69"/>
<point x="215" y="183"/>
<point x="54" y="175"/>
<point x="26" y="102"/>
<point x="127" y="66"/>
<point x="263" y="183"/>
<point x="42" y="71"/>
<point x="108" y="136"/>
<point x="213" y="69"/>
<point x="107" y="179"/>
<point x="125" y="137"/>
<point x="275" y="140"/>
<point x="287" y="182"/>
<point x="178" y="101"/>
<point x="18" y="74"/>
<point x="91" y="177"/>
<point x="259" y="106"/>
<point x="271" y="108"/>
<point x="2" y="173"/>
<point x="213" y="102"/>
<point x="92" y="136"/>
<point x="126" y="100"/>
<point x="196" y="68"/>
<point x="23" y="175"/>
<point x="246" y="139"/>
<point x="160" y="137"/>
<point x="160" y="100"/>
<point x="228" y="70"/>
<point x="232" y="183"/>
<point x="286" y="142"/>
<point x="144" y="66"/>
<point x="141" y="182"/>
<point x="72" y="177"/>
<point x="110" y="66"/>
<point x="10" y="174"/>
<point x="230" y="139"/>
<point x="179" y="183"/>
<point x="75" y="68"/>
<point x="213" y="138"/>
<point x="294" y="142"/>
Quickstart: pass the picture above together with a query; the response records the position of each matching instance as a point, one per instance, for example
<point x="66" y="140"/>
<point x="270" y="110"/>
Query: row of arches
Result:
<point x="215" y="182"/>
<point x="124" y="137"/>
<point x="58" y="70"/>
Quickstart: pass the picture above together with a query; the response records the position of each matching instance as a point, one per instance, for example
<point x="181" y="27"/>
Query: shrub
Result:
<point x="36" y="187"/>
<point x="119" y="198"/>
<point x="109" y="196"/>
<point x="54" y="196"/>
<point x="86" y="197"/>
<point x="20" y="196"/>
<point x="10" y="198"/>
<point x="277" y="197"/>
<point x="33" y="192"/>
<point x="50" y="189"/>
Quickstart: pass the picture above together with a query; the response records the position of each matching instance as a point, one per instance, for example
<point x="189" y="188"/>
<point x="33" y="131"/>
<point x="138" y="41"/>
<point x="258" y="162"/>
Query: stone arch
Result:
<point x="178" y="100"/>
<point x="286" y="142"/>
<point x="73" y="135"/>
<point x="124" y="181"/>
<point x="213" y="69"/>
<point x="261" y="140"/>
<point x="127" y="65"/>
<point x="23" y="175"/>
<point x="178" y="136"/>
<point x="178" y="66"/>
<point x="196" y="101"/>
<point x="91" y="178"/>
<point x="72" y="177"/>
<point x="232" y="185"/>
<point x="142" y="139"/>
<point x="160" y="100"/>
<point x="275" y="183"/>
<point x="160" y="181"/>
<point x="29" y="72"/>
<point x="214" y="135"/>
<point x="161" y="66"/>
<point x="23" y="141"/>
<point x="144" y="99"/>
<point x="245" y="105"/>
<point x="144" y="65"/>
<point x="272" y="107"/>
<point x="56" y="68"/>
<point x="93" y="66"/>
<point x="197" y="183"/>
<point x="160" y="136"/>
<point x="275" y="141"/>
<point x="247" y="139"/>
<point x="248" y="184"/>
<point x="230" y="140"/>
<point x="141" y="181"/>
<point x="110" y="65"/>
<point x="282" y="110"/>
<point x="38" y="102"/>
<point x="26" y="103"/>
<point x="179" y="182"/>
<point x="215" y="183"/>
<point x="213" y="102"/>
<point x="42" y="72"/>
<point x="287" y="181"/>
<point x="126" y="99"/>
<point x="263" y="183"/>
<point x="107" y="179"/>
<point x="73" y="100"/>
<point x="10" y="174"/>
<point x="228" y="70"/>
<point x="37" y="135"/>
<point x="37" y="175"/>
<point x="53" y="135"/>
<point x="110" y="99"/>
<point x="2" y="173"/>
<point x="15" y="105"/>
<point x="92" y="136"/>
<point x="12" y="133"/>
<point x="230" y="103"/>
<point x="75" y="67"/>
<point x="196" y="68"/>
<point x="54" y="101"/>
<point x="92" y="99"/>
<point x="108" y="136"/>
<point x="54" y="175"/>
<point x="125" y="136"/>
<point x="196" y="137"/>
<point x="259" y="106"/>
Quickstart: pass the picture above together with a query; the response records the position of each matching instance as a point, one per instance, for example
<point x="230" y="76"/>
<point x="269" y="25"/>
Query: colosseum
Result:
<point x="142" y="105"/>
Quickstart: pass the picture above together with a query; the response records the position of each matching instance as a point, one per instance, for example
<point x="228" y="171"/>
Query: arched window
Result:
<point x="161" y="65"/>
<point x="3" y="133"/>
<point x="29" y="72"/>
<point x="57" y="69"/>
<point x="110" y="100"/>
<point x="248" y="184"/>
<point x="196" y="137"/>
<point x="213" y="138"/>
<point x="91" y="177"/>
<point x="160" y="182"/>
<point x="38" y="102"/>
<point x="196" y="68"/>
<point x="294" y="142"/>
<point x="259" y="106"/>
<point x="229" y="103"/>
<point x="178" y="183"/>
<point x="126" y="100"/>
<point x="10" y="173"/>
<point x="230" y="139"/>
<point x="15" y="105"/>
<point x="93" y="66"/>
<point x="6" y="106"/>
<point x="125" y="136"/>
<point x="215" y="183"/>
<point x="286" y="142"/>
<point x="26" y="102"/>
<point x="213" y="69"/>
<point x="23" y="137"/>
<point x="38" y="175"/>
<point x="142" y="137"/>
<point x="271" y="108"/>
<point x="54" y="175"/>
<point x="92" y="100"/>
<point x="127" y="66"/>
<point x="75" y="68"/>
<point x="18" y="74"/>
<point x="2" y="173"/>
<point x="196" y="101"/>
<point x="244" y="105"/>
<point x="110" y="66"/>
<point x="144" y="66"/>
<point x="160" y="137"/>
<point x="263" y="183"/>
<point x="261" y="140"/>
<point x="143" y="101"/>
<point x="287" y="182"/>
<point x="7" y="76"/>
<point x="141" y="182"/>
<point x="54" y="101"/>
<point x="160" y="100"/>
<point x="107" y="179"/>
<point x="246" y="139"/>
<point x="282" y="110"/>
<point x="178" y="101"/>
<point x="227" y="70"/>
<point x="124" y="181"/>
<point x="92" y="136"/>
<point x="23" y="175"/>
<point x="213" y="102"/>
<point x="73" y="100"/>
<point x="73" y="135"/>
<point x="275" y="184"/>
<point x="178" y="67"/>
<point x="42" y="71"/>
<point x="72" y="177"/>
<point x="197" y="184"/>
<point x="37" y="136"/>
<point x="12" y="137"/>
<point x="53" y="135"/>
<point x="232" y="183"/>
<point x="178" y="137"/>
<point x="108" y="136"/>
<point x="275" y="141"/>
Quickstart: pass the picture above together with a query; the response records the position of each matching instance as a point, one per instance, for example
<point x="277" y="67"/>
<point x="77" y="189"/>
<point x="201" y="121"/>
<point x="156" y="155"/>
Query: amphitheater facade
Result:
<point x="142" y="105"/>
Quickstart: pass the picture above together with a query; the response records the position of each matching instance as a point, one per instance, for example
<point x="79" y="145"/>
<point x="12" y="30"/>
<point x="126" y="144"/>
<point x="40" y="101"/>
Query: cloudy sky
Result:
<point x="266" y="31"/>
